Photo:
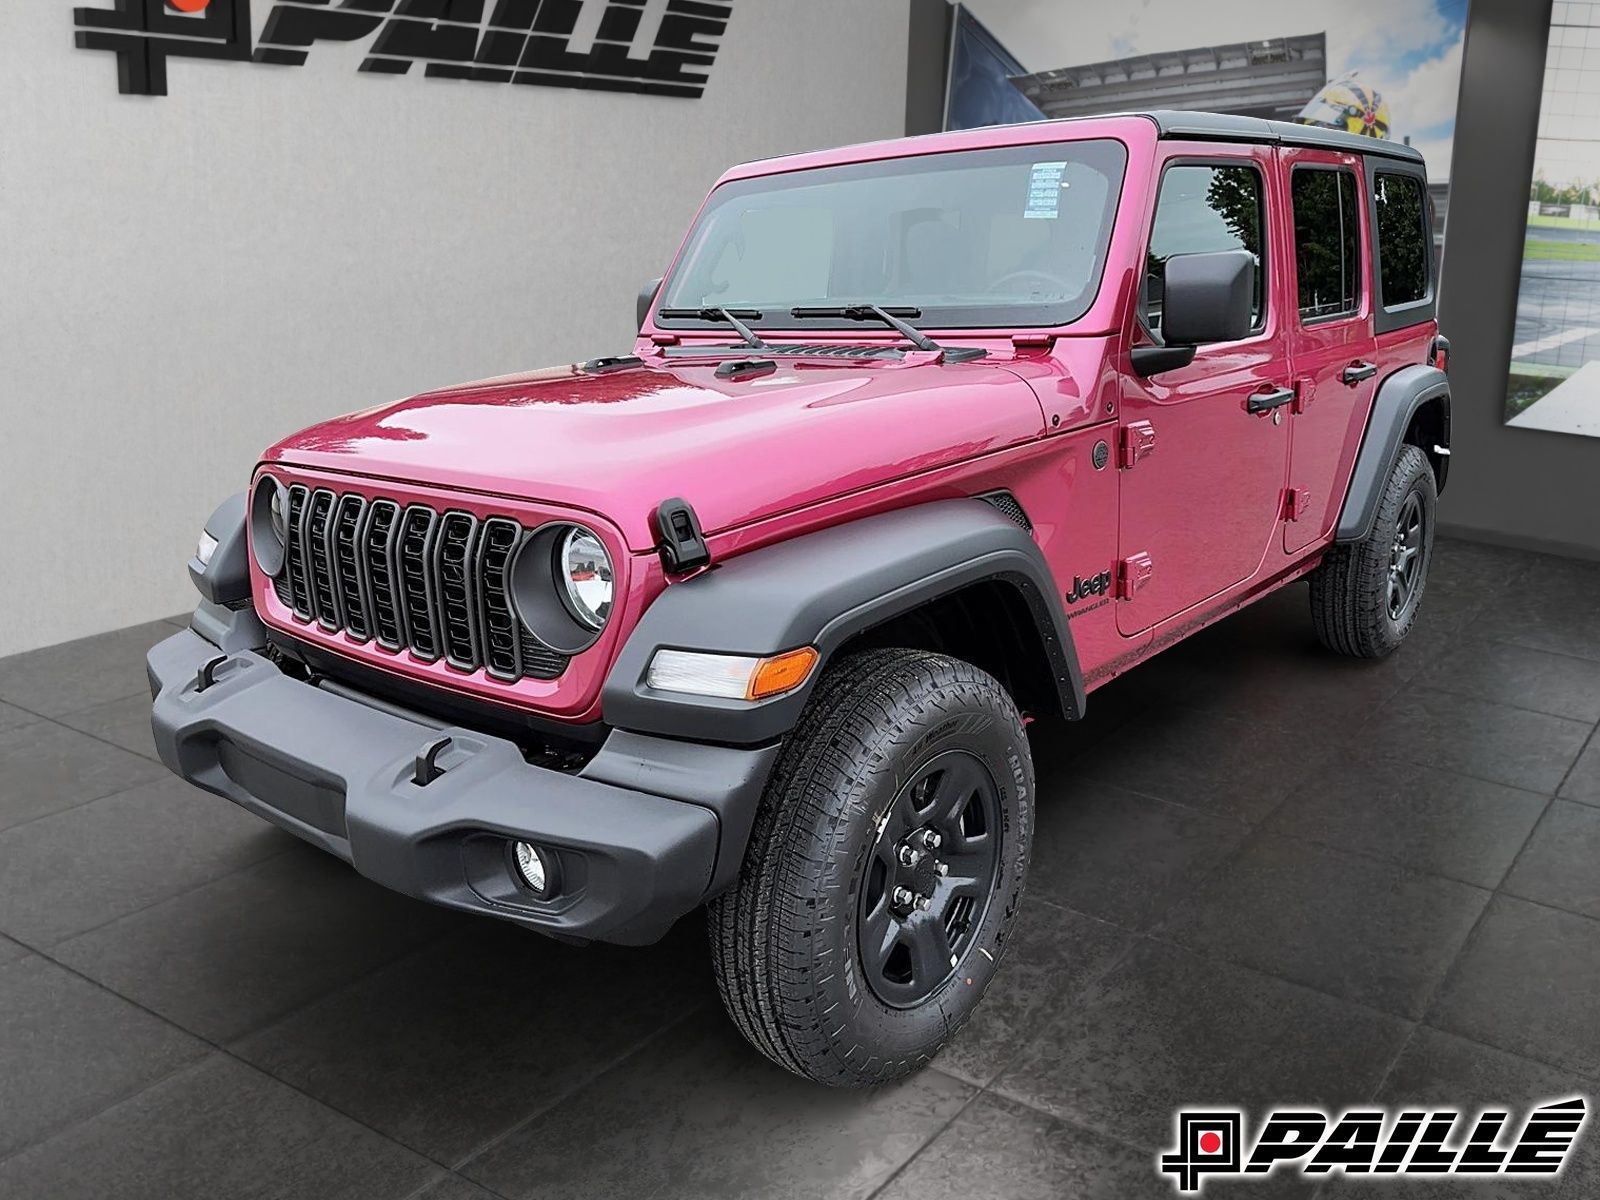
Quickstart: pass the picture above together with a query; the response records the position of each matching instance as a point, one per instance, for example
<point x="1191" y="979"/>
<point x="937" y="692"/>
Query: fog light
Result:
<point x="206" y="548"/>
<point x="537" y="871"/>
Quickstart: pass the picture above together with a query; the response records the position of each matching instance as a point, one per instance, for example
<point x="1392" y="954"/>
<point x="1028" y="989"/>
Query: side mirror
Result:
<point x="647" y="297"/>
<point x="1207" y="298"/>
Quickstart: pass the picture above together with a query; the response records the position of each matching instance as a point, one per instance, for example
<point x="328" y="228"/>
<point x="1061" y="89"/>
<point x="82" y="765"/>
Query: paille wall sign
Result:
<point x="660" y="47"/>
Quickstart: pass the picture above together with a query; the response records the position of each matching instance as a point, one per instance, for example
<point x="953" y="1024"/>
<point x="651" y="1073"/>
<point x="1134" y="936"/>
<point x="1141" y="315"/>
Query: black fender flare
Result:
<point x="226" y="578"/>
<point x="821" y="589"/>
<point x="1397" y="402"/>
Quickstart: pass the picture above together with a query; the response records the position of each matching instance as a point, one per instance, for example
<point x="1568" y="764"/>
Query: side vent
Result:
<point x="1009" y="507"/>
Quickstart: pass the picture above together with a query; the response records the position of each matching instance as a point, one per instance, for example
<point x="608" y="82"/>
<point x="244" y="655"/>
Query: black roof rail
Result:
<point x="1204" y="126"/>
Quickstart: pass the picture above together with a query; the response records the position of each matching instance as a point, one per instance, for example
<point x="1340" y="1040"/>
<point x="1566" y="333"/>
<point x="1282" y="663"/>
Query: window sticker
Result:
<point x="1044" y="191"/>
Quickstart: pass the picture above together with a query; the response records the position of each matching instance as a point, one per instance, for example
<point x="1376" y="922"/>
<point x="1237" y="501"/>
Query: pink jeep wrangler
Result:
<point x="917" y="438"/>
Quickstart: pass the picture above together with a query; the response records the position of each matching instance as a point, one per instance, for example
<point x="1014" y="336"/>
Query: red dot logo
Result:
<point x="1210" y="1143"/>
<point x="189" y="6"/>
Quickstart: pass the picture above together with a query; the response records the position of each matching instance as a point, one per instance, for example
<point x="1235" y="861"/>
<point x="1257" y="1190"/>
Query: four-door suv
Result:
<point x="917" y="438"/>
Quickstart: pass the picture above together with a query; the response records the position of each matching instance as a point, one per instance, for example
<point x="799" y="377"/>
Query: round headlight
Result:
<point x="583" y="573"/>
<point x="269" y="524"/>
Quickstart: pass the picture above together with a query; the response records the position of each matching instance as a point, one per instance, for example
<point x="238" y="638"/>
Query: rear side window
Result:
<point x="1327" y="242"/>
<point x="1402" y="238"/>
<point x="1205" y="208"/>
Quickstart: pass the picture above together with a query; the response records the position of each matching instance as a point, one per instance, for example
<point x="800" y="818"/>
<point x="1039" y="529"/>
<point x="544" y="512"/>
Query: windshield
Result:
<point x="980" y="239"/>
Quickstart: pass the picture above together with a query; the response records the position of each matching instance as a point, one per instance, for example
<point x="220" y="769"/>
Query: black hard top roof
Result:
<point x="1220" y="127"/>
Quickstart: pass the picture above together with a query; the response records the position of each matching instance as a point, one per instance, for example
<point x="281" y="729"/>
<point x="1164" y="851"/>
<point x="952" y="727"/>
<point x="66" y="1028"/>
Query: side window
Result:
<point x="1402" y="238"/>
<point x="1202" y="209"/>
<point x="1327" y="242"/>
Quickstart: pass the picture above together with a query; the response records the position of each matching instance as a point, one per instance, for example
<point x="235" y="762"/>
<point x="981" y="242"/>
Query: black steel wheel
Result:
<point x="884" y="871"/>
<point x="930" y="878"/>
<point x="1405" y="557"/>
<point x="1365" y="596"/>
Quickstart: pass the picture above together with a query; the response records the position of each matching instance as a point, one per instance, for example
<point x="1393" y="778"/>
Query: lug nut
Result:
<point x="931" y="839"/>
<point x="903" y="897"/>
<point x="943" y="868"/>
<point x="910" y="856"/>
<point x="924" y="903"/>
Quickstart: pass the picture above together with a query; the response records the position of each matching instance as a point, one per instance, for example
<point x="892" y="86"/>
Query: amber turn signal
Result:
<point x="781" y="673"/>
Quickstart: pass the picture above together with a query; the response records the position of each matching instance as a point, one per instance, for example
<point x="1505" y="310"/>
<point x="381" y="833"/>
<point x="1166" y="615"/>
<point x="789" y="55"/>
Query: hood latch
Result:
<point x="683" y="545"/>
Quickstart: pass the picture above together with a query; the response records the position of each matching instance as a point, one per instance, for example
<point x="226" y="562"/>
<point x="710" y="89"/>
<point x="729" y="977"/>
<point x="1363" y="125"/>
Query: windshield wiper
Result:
<point x="892" y="318"/>
<point x="729" y="316"/>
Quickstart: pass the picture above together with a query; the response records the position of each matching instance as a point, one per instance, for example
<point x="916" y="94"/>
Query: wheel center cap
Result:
<point x="923" y="878"/>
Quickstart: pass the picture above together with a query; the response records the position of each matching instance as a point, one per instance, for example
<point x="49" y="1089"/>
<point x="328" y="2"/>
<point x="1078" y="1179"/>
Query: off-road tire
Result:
<point x="785" y="938"/>
<point x="1350" y="590"/>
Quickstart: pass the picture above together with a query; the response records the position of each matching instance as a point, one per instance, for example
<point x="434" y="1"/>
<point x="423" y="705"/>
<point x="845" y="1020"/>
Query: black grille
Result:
<point x="343" y="542"/>
<point x="411" y="579"/>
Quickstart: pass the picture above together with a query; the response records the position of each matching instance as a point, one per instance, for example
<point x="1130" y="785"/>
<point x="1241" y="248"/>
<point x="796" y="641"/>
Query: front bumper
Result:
<point x="641" y="835"/>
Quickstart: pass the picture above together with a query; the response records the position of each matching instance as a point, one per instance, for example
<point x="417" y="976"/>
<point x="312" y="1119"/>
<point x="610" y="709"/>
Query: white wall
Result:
<point x="184" y="279"/>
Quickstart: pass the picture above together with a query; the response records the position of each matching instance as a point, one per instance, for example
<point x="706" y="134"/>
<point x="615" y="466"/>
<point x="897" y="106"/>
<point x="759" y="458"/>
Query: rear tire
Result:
<point x="1365" y="595"/>
<point x="831" y="948"/>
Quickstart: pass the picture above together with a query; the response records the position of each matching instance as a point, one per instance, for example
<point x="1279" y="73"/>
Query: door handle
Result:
<point x="1358" y="372"/>
<point x="1268" y="399"/>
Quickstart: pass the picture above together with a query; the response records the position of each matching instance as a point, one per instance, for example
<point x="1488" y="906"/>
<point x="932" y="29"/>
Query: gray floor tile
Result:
<point x="1554" y="610"/>
<point x="10" y="950"/>
<point x="1583" y="784"/>
<point x="75" y="870"/>
<point x="1369" y="931"/>
<point x="453" y="1046"/>
<point x="1420" y="817"/>
<point x="1437" y="1070"/>
<point x="453" y="1187"/>
<point x="11" y="717"/>
<point x="1053" y="955"/>
<point x="71" y="1049"/>
<point x="998" y="1147"/>
<point x="1120" y="856"/>
<point x="1474" y="737"/>
<point x="1476" y="568"/>
<point x="1561" y="864"/>
<point x="1206" y="760"/>
<point x="216" y="1130"/>
<point x="74" y="675"/>
<point x="1527" y="983"/>
<point x="1166" y="1029"/>
<point x="124" y="723"/>
<point x="228" y="957"/>
<point x="1558" y="684"/>
<point x="48" y="768"/>
<point x="698" y="1114"/>
<point x="1272" y="678"/>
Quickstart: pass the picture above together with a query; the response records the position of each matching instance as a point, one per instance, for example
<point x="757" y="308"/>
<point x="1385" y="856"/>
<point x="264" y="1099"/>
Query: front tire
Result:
<point x="1365" y="596"/>
<point x="884" y="870"/>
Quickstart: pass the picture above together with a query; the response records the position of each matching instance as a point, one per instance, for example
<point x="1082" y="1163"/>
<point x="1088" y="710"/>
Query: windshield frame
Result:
<point x="974" y="320"/>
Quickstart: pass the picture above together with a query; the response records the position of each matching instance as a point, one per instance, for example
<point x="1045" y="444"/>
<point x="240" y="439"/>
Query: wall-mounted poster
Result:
<point x="1381" y="68"/>
<point x="1555" y="352"/>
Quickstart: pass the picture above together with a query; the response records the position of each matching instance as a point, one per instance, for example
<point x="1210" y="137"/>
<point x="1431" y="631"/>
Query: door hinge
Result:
<point x="1138" y="438"/>
<point x="1295" y="503"/>
<point x="1133" y="573"/>
<point x="1302" y="395"/>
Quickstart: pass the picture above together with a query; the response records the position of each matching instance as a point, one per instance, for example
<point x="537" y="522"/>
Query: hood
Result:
<point x="618" y="443"/>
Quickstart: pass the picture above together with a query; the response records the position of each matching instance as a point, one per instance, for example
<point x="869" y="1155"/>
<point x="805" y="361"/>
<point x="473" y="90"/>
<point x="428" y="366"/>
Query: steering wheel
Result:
<point x="1054" y="281"/>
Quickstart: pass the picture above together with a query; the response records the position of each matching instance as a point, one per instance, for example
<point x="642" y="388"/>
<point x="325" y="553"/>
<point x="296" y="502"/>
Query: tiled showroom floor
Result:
<point x="1262" y="875"/>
